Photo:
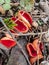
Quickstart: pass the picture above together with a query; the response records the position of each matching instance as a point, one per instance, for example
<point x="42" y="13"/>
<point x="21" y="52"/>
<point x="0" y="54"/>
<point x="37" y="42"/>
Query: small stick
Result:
<point x="34" y="13"/>
<point x="11" y="12"/>
<point x="14" y="4"/>
<point x="27" y="34"/>
<point x="38" y="47"/>
<point x="39" y="16"/>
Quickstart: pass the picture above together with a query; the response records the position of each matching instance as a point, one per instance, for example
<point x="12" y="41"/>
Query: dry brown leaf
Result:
<point x="2" y="11"/>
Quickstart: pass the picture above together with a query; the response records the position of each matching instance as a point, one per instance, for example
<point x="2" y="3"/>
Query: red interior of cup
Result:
<point x="26" y="15"/>
<point x="41" y="46"/>
<point x="20" y="26"/>
<point x="9" y="43"/>
<point x="32" y="51"/>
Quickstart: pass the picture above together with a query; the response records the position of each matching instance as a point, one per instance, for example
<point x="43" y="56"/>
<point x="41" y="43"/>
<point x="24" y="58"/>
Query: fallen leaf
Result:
<point x="2" y="11"/>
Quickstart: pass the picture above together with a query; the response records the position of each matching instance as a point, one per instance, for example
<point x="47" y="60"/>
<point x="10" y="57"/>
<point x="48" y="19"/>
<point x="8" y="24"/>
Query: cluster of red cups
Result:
<point x="23" y="21"/>
<point x="35" y="50"/>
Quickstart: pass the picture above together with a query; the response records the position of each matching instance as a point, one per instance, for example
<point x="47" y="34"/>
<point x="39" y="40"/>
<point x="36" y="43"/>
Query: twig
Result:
<point x="41" y="35"/>
<point x="34" y="13"/>
<point x="14" y="4"/>
<point x="27" y="34"/>
<point x="39" y="16"/>
<point x="5" y="16"/>
<point x="38" y="47"/>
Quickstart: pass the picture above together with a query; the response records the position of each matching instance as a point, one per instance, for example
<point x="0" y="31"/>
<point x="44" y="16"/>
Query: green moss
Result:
<point x="6" y="6"/>
<point x="7" y="1"/>
<point x="26" y="4"/>
<point x="1" y="1"/>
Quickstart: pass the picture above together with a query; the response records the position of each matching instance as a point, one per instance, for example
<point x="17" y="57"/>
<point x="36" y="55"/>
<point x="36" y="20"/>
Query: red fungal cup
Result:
<point x="20" y="25"/>
<point x="8" y="42"/>
<point x="26" y="17"/>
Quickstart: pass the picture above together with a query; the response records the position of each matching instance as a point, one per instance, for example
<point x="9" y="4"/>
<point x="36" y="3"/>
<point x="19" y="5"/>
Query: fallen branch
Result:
<point x="27" y="34"/>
